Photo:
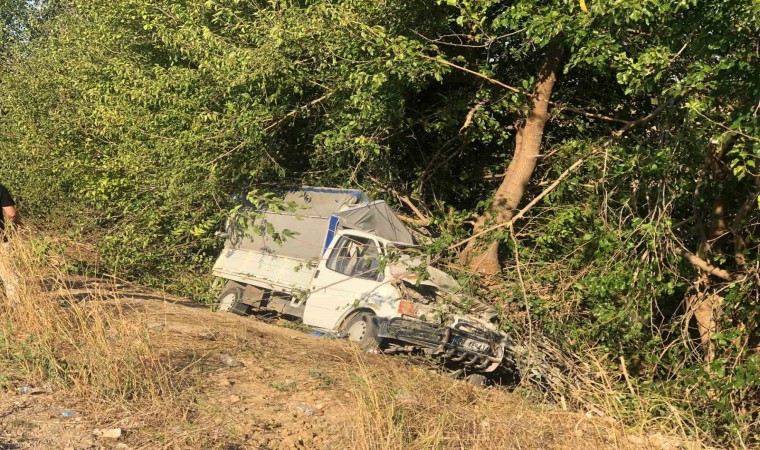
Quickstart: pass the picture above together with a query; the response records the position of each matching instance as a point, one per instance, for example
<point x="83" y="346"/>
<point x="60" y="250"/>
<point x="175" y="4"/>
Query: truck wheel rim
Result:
<point x="357" y="331"/>
<point x="227" y="302"/>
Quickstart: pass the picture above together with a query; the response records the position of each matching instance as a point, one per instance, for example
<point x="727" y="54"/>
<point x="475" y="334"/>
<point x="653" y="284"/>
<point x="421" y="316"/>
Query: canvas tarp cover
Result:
<point x="306" y="243"/>
<point x="322" y="202"/>
<point x="376" y="218"/>
<point x="311" y="220"/>
<point x="309" y="232"/>
<point x="308" y="223"/>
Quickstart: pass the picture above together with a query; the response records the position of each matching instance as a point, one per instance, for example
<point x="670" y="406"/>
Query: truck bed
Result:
<point x="279" y="273"/>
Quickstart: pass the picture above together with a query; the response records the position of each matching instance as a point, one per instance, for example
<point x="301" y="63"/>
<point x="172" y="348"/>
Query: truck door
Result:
<point x="349" y="275"/>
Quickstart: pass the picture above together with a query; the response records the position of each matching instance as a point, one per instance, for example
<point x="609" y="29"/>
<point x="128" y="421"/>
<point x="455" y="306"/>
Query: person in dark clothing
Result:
<point x="9" y="208"/>
<point x="8" y="273"/>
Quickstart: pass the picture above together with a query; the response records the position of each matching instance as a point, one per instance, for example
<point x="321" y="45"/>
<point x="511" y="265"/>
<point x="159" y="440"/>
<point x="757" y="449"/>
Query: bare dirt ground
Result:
<point x="256" y="385"/>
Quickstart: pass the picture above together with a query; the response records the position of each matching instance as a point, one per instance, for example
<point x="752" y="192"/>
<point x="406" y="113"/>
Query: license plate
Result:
<point x="471" y="345"/>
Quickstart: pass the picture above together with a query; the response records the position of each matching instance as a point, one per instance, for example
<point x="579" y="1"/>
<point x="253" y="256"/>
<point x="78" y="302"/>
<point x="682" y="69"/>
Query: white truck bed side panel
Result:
<point x="280" y="273"/>
<point x="307" y="241"/>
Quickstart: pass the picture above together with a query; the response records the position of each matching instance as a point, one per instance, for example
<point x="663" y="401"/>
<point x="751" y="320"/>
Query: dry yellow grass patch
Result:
<point x="402" y="409"/>
<point x="88" y="342"/>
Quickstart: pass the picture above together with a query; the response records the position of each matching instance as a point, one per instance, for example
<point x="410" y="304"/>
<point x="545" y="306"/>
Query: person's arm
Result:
<point x="12" y="215"/>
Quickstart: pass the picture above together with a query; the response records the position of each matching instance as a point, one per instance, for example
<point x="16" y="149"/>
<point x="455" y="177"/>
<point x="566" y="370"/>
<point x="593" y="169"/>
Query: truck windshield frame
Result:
<point x="357" y="257"/>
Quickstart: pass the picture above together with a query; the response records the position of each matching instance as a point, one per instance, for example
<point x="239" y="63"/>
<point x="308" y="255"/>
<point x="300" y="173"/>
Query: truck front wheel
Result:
<point x="362" y="328"/>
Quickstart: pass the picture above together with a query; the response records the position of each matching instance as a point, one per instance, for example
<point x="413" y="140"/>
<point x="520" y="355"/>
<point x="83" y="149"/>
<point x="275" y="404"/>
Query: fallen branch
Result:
<point x="413" y="221"/>
<point x="422" y="220"/>
<point x="700" y="263"/>
<point x="522" y="284"/>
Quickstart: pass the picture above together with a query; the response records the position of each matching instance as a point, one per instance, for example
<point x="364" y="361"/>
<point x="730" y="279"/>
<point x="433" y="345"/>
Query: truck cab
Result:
<point x="351" y="275"/>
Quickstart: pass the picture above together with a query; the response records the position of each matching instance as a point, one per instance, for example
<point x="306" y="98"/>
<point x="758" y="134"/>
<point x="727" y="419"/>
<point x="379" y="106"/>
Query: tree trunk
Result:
<point x="484" y="259"/>
<point x="705" y="304"/>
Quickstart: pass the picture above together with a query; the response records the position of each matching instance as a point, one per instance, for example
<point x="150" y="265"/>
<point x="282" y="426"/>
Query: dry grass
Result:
<point x="424" y="410"/>
<point x="52" y="334"/>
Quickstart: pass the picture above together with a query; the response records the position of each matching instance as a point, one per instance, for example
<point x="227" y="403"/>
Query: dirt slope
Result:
<point x="256" y="385"/>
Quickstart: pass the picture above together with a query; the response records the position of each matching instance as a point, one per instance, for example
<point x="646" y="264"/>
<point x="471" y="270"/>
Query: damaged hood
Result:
<point x="407" y="269"/>
<point x="439" y="291"/>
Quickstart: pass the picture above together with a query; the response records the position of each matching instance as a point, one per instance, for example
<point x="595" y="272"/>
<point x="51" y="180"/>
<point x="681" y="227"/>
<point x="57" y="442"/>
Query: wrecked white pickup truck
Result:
<point x="327" y="260"/>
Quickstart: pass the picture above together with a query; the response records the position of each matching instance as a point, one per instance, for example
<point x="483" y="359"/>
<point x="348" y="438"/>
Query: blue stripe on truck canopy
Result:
<point x="332" y="227"/>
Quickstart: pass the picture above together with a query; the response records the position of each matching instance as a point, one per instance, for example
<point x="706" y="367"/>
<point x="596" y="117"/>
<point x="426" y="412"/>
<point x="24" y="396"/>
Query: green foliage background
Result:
<point x="132" y="123"/>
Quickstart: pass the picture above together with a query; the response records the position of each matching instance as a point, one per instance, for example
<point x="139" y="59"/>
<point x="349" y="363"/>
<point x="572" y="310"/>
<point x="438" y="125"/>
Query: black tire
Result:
<point x="230" y="300"/>
<point x="363" y="329"/>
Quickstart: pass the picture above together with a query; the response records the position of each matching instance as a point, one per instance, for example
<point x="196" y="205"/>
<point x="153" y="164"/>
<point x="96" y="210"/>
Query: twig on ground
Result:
<point x="522" y="284"/>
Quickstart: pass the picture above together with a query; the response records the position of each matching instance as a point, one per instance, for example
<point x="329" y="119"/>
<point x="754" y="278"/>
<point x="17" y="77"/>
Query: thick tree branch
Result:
<point x="740" y="240"/>
<point x="421" y="221"/>
<point x="700" y="263"/>
<point x="471" y="114"/>
<point x="651" y="116"/>
<point x="477" y="74"/>
<point x="413" y="221"/>
<point x="747" y="206"/>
